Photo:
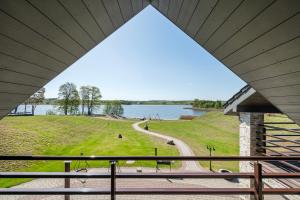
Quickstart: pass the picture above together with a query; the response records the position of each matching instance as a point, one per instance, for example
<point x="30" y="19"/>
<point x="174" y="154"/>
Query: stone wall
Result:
<point x="248" y="134"/>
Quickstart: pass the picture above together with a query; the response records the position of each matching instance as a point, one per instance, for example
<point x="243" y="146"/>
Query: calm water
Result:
<point x="134" y="111"/>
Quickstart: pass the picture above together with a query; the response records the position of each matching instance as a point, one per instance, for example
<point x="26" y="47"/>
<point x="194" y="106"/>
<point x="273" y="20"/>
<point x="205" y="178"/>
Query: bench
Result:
<point x="163" y="162"/>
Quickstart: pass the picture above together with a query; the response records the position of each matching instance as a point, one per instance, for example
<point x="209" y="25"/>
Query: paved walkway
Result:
<point x="126" y="183"/>
<point x="183" y="148"/>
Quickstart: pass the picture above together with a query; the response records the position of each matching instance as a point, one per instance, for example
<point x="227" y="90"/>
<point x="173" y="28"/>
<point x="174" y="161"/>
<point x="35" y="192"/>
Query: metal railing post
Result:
<point x="67" y="180"/>
<point x="258" y="182"/>
<point x="113" y="180"/>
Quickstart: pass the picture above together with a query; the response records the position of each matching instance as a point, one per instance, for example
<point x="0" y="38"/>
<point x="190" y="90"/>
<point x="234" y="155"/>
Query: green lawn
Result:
<point x="70" y="135"/>
<point x="214" y="128"/>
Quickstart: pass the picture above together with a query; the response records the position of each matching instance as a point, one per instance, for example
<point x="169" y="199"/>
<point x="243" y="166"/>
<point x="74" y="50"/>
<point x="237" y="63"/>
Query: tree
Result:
<point x="207" y="104"/>
<point x="84" y="97"/>
<point x="117" y="108"/>
<point x="68" y="98"/>
<point x="113" y="108"/>
<point x="107" y="108"/>
<point x="218" y="104"/>
<point x="90" y="97"/>
<point x="94" y="100"/>
<point x="36" y="99"/>
<point x="196" y="103"/>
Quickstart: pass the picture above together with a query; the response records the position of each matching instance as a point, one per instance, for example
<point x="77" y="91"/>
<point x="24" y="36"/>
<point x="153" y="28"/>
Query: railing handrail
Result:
<point x="94" y="175"/>
<point x="258" y="191"/>
<point x="152" y="158"/>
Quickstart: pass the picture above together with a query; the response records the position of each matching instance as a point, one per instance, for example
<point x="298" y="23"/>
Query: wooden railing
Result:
<point x="257" y="175"/>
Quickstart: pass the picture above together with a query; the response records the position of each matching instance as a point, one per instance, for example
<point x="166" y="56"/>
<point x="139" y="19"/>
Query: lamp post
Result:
<point x="210" y="148"/>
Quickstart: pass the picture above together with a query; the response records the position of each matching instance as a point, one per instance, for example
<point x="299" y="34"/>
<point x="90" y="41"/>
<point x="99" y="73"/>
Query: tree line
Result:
<point x="88" y="98"/>
<point x="207" y="104"/>
<point x="53" y="101"/>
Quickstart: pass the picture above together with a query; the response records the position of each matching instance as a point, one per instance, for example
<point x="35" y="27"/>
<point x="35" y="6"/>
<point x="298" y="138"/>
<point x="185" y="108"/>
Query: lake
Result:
<point x="134" y="111"/>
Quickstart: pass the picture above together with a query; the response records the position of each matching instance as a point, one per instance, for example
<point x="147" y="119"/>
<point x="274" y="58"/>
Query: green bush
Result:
<point x="50" y="112"/>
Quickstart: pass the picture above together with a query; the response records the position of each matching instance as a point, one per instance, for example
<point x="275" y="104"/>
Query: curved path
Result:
<point x="183" y="148"/>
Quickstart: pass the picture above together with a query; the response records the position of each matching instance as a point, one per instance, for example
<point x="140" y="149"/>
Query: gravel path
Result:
<point x="183" y="148"/>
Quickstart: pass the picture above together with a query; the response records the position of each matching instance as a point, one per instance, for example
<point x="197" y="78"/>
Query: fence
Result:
<point x="258" y="190"/>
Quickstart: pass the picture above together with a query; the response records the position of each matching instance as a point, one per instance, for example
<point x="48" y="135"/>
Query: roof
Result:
<point x="248" y="100"/>
<point x="257" y="40"/>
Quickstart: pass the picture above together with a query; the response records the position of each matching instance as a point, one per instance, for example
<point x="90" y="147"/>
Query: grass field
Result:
<point x="71" y="135"/>
<point x="213" y="128"/>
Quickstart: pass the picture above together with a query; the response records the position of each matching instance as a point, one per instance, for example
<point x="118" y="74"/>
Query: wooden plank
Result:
<point x="217" y="17"/>
<point x="79" y="11"/>
<point x="200" y="15"/>
<point x="278" y="81"/>
<point x="280" y="35"/>
<point x="294" y="116"/>
<point x="22" y="34"/>
<point x="137" y="5"/>
<point x="35" y="20"/>
<point x="283" y="52"/>
<point x="100" y="15"/>
<point x="15" y="99"/>
<point x="10" y="76"/>
<point x="24" y="67"/>
<point x="16" y="89"/>
<point x="187" y="10"/>
<point x="270" y="18"/>
<point x="285" y="100"/>
<point x="64" y="21"/>
<point x="174" y="9"/>
<point x="126" y="9"/>
<point x="114" y="12"/>
<point x="18" y="50"/>
<point x="154" y="3"/>
<point x="290" y="108"/>
<point x="281" y="91"/>
<point x="248" y="10"/>
<point x="164" y="6"/>
<point x="280" y="68"/>
<point x="145" y="3"/>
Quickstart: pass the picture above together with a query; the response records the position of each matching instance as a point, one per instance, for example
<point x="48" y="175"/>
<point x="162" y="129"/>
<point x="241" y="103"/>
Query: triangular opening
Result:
<point x="149" y="58"/>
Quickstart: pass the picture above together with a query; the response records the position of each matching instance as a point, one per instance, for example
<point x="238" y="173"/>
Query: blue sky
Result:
<point x="150" y="58"/>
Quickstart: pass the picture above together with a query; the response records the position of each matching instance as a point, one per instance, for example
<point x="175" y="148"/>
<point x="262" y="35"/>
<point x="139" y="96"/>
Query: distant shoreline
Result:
<point x="203" y="109"/>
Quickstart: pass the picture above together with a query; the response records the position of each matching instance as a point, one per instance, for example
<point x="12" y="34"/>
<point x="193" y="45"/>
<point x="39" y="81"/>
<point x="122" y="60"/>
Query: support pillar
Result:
<point x="249" y="136"/>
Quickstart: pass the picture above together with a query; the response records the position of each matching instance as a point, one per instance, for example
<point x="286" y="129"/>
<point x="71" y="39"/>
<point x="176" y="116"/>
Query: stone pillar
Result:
<point x="249" y="130"/>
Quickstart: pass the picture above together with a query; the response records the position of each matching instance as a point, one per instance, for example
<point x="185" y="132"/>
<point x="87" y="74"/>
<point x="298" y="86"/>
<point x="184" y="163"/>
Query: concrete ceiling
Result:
<point x="259" y="40"/>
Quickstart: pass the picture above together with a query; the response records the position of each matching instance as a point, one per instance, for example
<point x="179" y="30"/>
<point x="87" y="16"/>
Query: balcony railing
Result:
<point x="257" y="175"/>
